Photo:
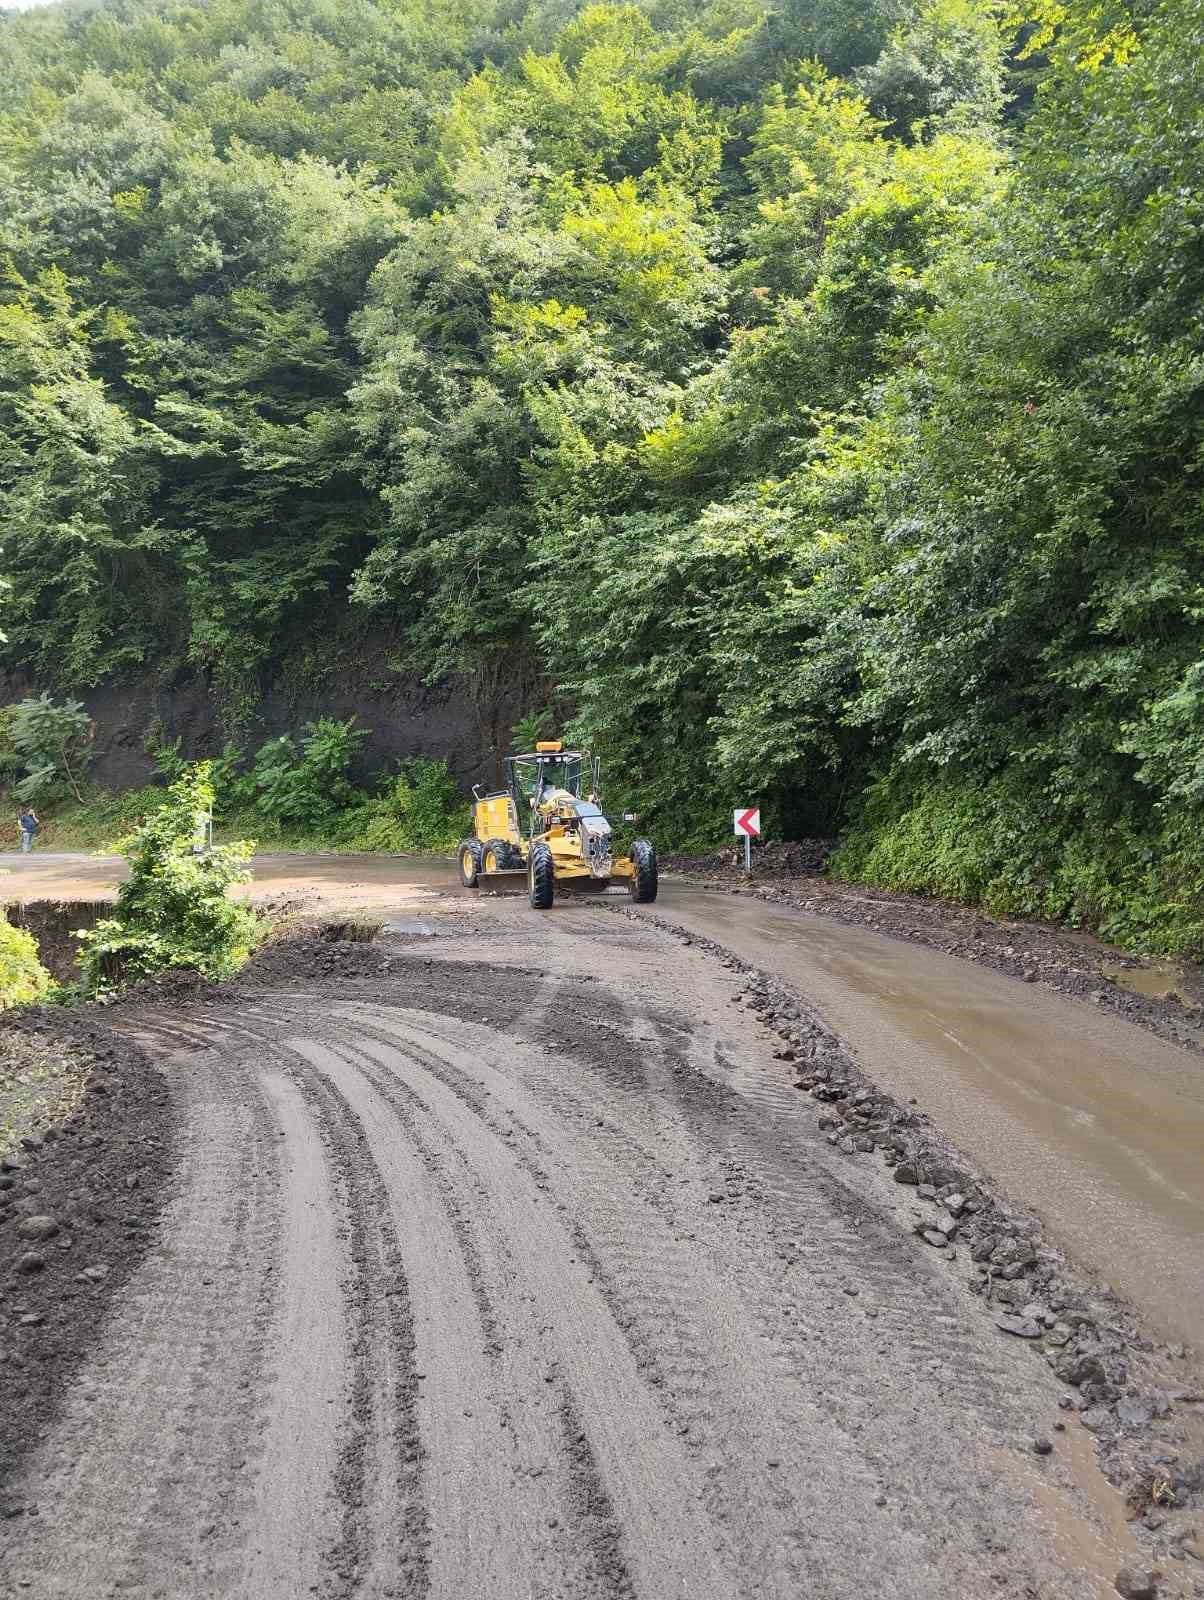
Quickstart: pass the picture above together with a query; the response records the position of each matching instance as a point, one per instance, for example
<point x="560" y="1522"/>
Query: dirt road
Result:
<point x="1089" y="1119"/>
<point x="1093" y="1121"/>
<point x="515" y="1267"/>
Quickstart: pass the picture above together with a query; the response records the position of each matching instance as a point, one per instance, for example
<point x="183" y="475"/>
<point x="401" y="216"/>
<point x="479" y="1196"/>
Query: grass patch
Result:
<point x="418" y="809"/>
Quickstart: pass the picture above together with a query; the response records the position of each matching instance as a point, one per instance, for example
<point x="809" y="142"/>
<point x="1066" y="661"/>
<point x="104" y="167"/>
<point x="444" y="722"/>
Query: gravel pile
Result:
<point x="770" y="859"/>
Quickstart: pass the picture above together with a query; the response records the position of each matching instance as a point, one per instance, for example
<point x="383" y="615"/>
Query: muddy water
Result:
<point x="1092" y="1121"/>
<point x="1158" y="980"/>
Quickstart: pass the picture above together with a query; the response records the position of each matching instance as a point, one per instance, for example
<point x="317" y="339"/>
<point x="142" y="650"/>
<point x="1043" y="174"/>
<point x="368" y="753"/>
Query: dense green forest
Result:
<point x="802" y="398"/>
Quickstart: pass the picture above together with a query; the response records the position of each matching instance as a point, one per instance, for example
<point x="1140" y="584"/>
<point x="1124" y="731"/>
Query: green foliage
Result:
<point x="23" y="978"/>
<point x="173" y="910"/>
<point x="44" y="746"/>
<point x="1138" y="885"/>
<point x="307" y="783"/>
<point x="529" y="729"/>
<point x="747" y="382"/>
<point x="421" y="808"/>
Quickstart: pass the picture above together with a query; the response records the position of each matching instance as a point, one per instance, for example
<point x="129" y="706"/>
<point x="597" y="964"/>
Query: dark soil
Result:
<point x="99" y="1176"/>
<point x="1033" y="952"/>
<point x="54" y="924"/>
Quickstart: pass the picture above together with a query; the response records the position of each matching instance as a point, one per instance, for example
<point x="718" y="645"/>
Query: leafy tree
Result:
<point x="45" y="745"/>
<point x="306" y="783"/>
<point x="173" y="910"/>
<point x="754" y="384"/>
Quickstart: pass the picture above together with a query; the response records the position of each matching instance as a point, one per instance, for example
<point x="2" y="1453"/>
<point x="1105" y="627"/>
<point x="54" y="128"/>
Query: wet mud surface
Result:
<point x="1093" y="1122"/>
<point x="512" y="1262"/>
<point x="1164" y="996"/>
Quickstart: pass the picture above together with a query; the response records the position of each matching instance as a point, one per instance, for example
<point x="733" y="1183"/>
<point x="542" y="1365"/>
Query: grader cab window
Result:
<point x="532" y="776"/>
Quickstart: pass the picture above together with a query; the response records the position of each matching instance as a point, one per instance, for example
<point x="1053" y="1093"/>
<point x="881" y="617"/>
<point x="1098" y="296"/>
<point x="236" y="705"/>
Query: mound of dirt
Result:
<point x="76" y="1206"/>
<point x="790" y="858"/>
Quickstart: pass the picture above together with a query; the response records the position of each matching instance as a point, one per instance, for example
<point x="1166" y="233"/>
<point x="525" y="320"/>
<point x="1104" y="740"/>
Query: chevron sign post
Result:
<point x="746" y="824"/>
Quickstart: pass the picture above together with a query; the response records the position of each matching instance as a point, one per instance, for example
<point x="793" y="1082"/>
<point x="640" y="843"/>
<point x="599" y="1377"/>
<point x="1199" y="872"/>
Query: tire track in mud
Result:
<point x="794" y="1237"/>
<point x="453" y="1125"/>
<point x="375" y="1466"/>
<point x="679" y="1322"/>
<point x="194" y="1387"/>
<point x="529" y="1287"/>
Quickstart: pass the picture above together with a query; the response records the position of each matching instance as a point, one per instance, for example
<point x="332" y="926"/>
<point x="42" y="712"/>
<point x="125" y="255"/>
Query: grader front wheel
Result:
<point x="642" y="885"/>
<point x="498" y="855"/>
<point x="541" y="877"/>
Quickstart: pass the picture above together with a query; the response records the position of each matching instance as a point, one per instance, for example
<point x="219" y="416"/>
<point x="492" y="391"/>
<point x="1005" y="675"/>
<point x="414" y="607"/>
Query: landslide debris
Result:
<point x="79" y="1191"/>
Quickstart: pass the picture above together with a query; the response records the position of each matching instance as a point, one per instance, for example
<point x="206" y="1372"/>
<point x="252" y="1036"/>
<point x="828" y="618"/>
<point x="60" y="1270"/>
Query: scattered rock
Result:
<point x="906" y="1173"/>
<point x="932" y="1237"/>
<point x="1022" y="1327"/>
<point x="31" y="1261"/>
<point x="1042" y="1447"/>
<point x="1137" y="1583"/>
<point x="37" y="1228"/>
<point x="1138" y="1413"/>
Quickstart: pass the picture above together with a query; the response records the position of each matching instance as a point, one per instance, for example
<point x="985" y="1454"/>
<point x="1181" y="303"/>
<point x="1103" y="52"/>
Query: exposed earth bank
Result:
<point x="513" y="1262"/>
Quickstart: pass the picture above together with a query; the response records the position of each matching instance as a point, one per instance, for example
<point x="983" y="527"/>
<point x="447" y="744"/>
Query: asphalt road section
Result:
<point x="1092" y="1122"/>
<point x="510" y="1264"/>
<point x="354" y="879"/>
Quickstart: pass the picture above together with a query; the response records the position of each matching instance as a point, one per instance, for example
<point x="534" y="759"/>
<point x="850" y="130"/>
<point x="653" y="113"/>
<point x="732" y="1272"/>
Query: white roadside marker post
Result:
<point x="746" y="824"/>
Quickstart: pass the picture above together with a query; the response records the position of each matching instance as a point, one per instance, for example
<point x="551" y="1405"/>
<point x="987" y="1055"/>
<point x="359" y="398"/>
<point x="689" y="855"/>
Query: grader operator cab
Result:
<point x="542" y="824"/>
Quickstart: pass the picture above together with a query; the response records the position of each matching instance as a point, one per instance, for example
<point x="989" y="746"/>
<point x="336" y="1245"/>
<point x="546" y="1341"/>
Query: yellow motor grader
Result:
<point x="542" y="824"/>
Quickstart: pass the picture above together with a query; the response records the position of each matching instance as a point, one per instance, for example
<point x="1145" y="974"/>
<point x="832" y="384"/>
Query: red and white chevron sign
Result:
<point x="747" y="822"/>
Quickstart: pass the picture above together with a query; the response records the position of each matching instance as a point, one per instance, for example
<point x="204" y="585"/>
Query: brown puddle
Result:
<point x="1159" y="980"/>
<point x="1097" y="1544"/>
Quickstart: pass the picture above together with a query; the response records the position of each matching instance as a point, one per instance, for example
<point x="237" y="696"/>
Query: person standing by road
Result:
<point x="27" y="826"/>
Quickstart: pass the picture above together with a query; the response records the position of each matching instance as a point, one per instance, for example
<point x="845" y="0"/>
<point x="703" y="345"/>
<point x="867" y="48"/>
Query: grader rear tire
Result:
<point x="642" y="885"/>
<point x="471" y="857"/>
<point x="541" y="877"/>
<point x="497" y="855"/>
